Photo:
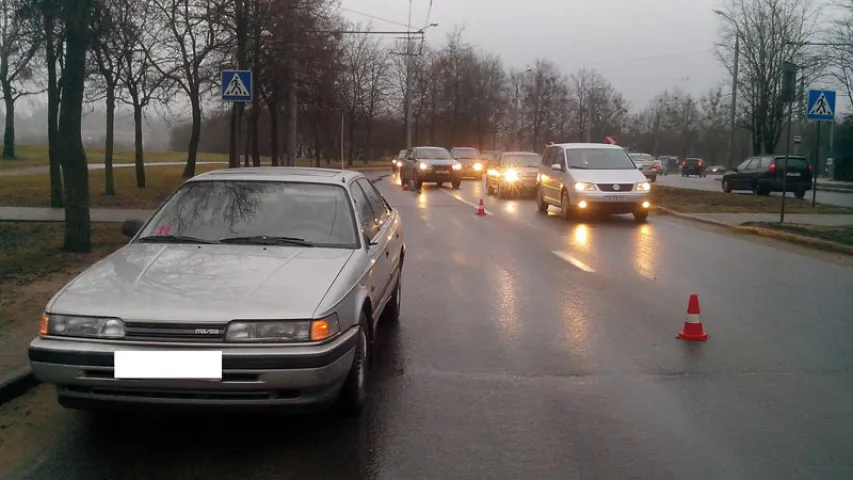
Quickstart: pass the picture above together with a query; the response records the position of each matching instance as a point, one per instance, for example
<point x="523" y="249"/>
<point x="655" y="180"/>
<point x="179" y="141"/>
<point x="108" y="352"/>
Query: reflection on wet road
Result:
<point x="531" y="347"/>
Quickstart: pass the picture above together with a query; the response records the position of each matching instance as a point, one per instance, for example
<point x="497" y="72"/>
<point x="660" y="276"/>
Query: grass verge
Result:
<point x="37" y="155"/>
<point x="34" y="190"/>
<point x="831" y="238"/>
<point x="699" y="201"/>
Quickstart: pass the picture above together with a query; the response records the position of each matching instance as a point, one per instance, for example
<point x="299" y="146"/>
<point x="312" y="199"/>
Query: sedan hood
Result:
<point x="608" y="176"/>
<point x="203" y="283"/>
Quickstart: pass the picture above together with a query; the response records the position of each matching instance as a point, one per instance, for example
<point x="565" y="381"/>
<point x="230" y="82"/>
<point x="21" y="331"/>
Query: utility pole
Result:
<point x="733" y="105"/>
<point x="292" y="120"/>
<point x="409" y="80"/>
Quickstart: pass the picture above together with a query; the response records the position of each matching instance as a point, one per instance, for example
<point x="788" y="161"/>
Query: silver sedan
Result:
<point x="247" y="288"/>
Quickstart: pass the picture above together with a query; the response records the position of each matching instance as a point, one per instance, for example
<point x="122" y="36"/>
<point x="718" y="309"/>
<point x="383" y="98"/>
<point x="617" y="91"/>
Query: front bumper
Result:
<point x="255" y="375"/>
<point x="468" y="171"/>
<point x="430" y="176"/>
<point x="611" y="202"/>
<point x="522" y="184"/>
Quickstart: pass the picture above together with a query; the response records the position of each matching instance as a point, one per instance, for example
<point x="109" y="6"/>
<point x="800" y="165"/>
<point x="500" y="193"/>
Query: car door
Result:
<point x="387" y="240"/>
<point x="546" y="174"/>
<point x="374" y="279"/>
<point x="737" y="180"/>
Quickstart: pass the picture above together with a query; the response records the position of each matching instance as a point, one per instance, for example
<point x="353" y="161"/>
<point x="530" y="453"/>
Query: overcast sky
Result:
<point x="641" y="46"/>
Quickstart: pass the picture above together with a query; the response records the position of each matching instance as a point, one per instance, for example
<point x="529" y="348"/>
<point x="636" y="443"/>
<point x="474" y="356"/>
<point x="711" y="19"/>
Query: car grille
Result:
<point x="175" y="332"/>
<point x="610" y="187"/>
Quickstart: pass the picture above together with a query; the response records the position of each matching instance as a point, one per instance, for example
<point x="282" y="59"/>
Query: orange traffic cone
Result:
<point x="693" y="325"/>
<point x="481" y="210"/>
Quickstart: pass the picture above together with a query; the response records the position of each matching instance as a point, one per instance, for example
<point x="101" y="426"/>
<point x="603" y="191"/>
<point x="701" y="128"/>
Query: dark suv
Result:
<point x="764" y="174"/>
<point x="692" y="166"/>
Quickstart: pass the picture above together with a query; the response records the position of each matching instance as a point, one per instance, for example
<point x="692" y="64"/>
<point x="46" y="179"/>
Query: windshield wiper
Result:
<point x="267" y="240"/>
<point x="173" y="239"/>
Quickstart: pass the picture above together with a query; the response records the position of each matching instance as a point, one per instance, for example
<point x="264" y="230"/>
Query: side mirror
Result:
<point x="131" y="227"/>
<point x="558" y="167"/>
<point x="368" y="242"/>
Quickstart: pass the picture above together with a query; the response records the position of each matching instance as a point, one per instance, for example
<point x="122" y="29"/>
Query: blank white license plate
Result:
<point x="183" y="365"/>
<point x="617" y="197"/>
<point x="794" y="174"/>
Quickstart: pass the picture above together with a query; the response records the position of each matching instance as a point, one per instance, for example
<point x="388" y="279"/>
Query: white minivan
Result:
<point x="591" y="177"/>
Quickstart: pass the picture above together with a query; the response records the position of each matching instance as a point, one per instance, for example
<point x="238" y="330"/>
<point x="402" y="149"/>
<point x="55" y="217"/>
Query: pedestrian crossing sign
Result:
<point x="236" y="86"/>
<point x="821" y="106"/>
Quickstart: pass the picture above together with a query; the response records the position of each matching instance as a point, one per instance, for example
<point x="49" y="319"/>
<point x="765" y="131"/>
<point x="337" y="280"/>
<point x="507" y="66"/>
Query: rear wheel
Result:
<point x="726" y="187"/>
<point x="501" y="192"/>
<point x="800" y="194"/>
<point x="395" y="305"/>
<point x="353" y="394"/>
<point x="541" y="204"/>
<point x="419" y="184"/>
<point x="565" y="206"/>
<point x="653" y="179"/>
<point x="439" y="184"/>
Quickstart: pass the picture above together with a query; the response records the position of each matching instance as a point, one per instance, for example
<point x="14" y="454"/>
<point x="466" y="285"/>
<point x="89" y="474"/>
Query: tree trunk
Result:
<point x="56" y="192"/>
<point x="246" y="140"/>
<point x="109" y="178"/>
<point x="351" y="139"/>
<point x="138" y="158"/>
<point x="233" y="156"/>
<point x="78" y="233"/>
<point x="9" y="131"/>
<point x="272" y="107"/>
<point x="195" y="135"/>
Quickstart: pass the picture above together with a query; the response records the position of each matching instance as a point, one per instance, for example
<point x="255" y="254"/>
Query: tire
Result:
<point x="501" y="192"/>
<point x="489" y="189"/>
<point x="353" y="394"/>
<point x="439" y="184"/>
<point x="726" y="187"/>
<point x="395" y="304"/>
<point x="800" y="194"/>
<point x="653" y="179"/>
<point x="419" y="184"/>
<point x="641" y="216"/>
<point x="565" y="206"/>
<point x="456" y="184"/>
<point x="541" y="204"/>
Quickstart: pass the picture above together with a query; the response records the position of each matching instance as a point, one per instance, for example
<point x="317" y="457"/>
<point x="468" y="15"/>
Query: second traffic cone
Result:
<point x="693" y="325"/>
<point x="481" y="210"/>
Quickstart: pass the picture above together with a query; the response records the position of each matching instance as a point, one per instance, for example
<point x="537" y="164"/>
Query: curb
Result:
<point x="16" y="384"/>
<point x="687" y="216"/>
<point x="820" y="188"/>
<point x="817" y="243"/>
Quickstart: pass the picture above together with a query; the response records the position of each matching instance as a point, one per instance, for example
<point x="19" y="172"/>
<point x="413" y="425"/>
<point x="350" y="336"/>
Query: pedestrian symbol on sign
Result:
<point x="236" y="88"/>
<point x="821" y="106"/>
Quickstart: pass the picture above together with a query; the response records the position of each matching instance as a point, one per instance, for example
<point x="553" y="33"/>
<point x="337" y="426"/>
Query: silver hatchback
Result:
<point x="246" y="288"/>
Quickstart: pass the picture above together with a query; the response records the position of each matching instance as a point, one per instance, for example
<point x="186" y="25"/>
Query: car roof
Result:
<point x="521" y="153"/>
<point x="280" y="174"/>
<point x="569" y="146"/>
<point x="427" y="146"/>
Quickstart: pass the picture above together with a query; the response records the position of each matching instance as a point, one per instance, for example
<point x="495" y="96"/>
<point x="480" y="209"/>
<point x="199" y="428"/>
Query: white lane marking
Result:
<point x="466" y="202"/>
<point x="574" y="261"/>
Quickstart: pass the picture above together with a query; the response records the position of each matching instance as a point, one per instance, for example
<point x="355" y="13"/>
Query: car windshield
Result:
<point x="794" y="163"/>
<point x="433" y="154"/>
<point x="599" y="159"/>
<point x="531" y="160"/>
<point x="215" y="211"/>
<point x="401" y="154"/>
<point x="468" y="153"/>
<point x="641" y="157"/>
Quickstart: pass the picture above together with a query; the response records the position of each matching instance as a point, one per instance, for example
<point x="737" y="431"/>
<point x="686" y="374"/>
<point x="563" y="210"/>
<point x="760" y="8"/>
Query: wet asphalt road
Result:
<point x="534" y="348"/>
<point x="712" y="183"/>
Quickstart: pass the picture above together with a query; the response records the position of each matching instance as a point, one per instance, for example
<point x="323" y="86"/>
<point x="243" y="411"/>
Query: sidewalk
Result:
<point x="734" y="219"/>
<point x="99" y="215"/>
<point x="824" y="185"/>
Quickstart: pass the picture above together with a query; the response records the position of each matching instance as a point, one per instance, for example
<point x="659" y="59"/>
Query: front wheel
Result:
<point x="419" y="184"/>
<point x="456" y="184"/>
<point x="565" y="206"/>
<point x="395" y="305"/>
<point x="501" y="192"/>
<point x="541" y="204"/>
<point x="489" y="189"/>
<point x="726" y="187"/>
<point x="353" y="394"/>
<point x="640" y="216"/>
<point x="653" y="179"/>
<point x="800" y="194"/>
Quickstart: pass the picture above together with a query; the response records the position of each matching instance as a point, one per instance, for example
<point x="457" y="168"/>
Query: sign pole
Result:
<point x="816" y="162"/>
<point x="785" y="170"/>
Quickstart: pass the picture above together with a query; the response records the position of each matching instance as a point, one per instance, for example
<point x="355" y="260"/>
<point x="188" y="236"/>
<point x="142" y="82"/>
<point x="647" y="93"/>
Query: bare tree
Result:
<point x="53" y="40"/>
<point x="107" y="53"/>
<point x="20" y="42"/>
<point x="545" y="94"/>
<point x="771" y="32"/>
<point x="196" y="40"/>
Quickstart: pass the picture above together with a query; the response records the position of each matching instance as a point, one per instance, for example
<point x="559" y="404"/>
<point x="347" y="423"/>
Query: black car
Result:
<point x="515" y="174"/>
<point x="764" y="174"/>
<point x="397" y="161"/>
<point x="430" y="164"/>
<point x="692" y="166"/>
<point x="469" y="158"/>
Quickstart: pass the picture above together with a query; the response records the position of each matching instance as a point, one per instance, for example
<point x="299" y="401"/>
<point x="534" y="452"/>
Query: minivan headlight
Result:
<point x="644" y="187"/>
<point x="81" y="326"/>
<point x="457" y="166"/>
<point x="423" y="165"/>
<point x="283" y="331"/>
<point x="584" y="187"/>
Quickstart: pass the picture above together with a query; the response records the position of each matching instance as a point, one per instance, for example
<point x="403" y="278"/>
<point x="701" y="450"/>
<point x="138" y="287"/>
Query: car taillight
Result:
<point x="810" y="167"/>
<point x="773" y="166"/>
<point x="657" y="165"/>
<point x="700" y="163"/>
<point x="684" y="164"/>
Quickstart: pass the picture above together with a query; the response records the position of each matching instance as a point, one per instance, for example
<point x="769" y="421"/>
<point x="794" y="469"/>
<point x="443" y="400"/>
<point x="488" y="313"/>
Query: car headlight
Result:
<point x="282" y="331"/>
<point x="423" y="165"/>
<point x="478" y="167"/>
<point x="644" y="186"/>
<point x="492" y="172"/>
<point x="511" y="175"/>
<point x="457" y="166"/>
<point x="79" y="326"/>
<point x="584" y="187"/>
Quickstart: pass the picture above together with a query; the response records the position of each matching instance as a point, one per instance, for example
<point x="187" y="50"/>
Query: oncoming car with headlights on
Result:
<point x="515" y="173"/>
<point x="397" y="161"/>
<point x="473" y="165"/>
<point x="247" y="288"/>
<point x="430" y="165"/>
<point x="592" y="177"/>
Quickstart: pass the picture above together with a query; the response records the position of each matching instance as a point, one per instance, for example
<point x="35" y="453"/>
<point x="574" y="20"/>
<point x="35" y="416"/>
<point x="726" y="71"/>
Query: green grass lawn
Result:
<point x="36" y="155"/>
<point x="700" y="201"/>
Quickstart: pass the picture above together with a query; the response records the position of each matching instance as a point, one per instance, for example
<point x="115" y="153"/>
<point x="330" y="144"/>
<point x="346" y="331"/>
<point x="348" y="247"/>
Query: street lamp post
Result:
<point x="733" y="104"/>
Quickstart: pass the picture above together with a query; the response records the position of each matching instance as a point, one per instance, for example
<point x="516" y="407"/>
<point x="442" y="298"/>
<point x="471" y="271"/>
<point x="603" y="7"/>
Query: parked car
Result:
<point x="692" y="166"/>
<point x="253" y="288"/>
<point x="396" y="162"/>
<point x="592" y="177"/>
<point x="515" y="174"/>
<point x="469" y="158"/>
<point x="431" y="164"/>
<point x="667" y="162"/>
<point x="646" y="164"/>
<point x="764" y="174"/>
